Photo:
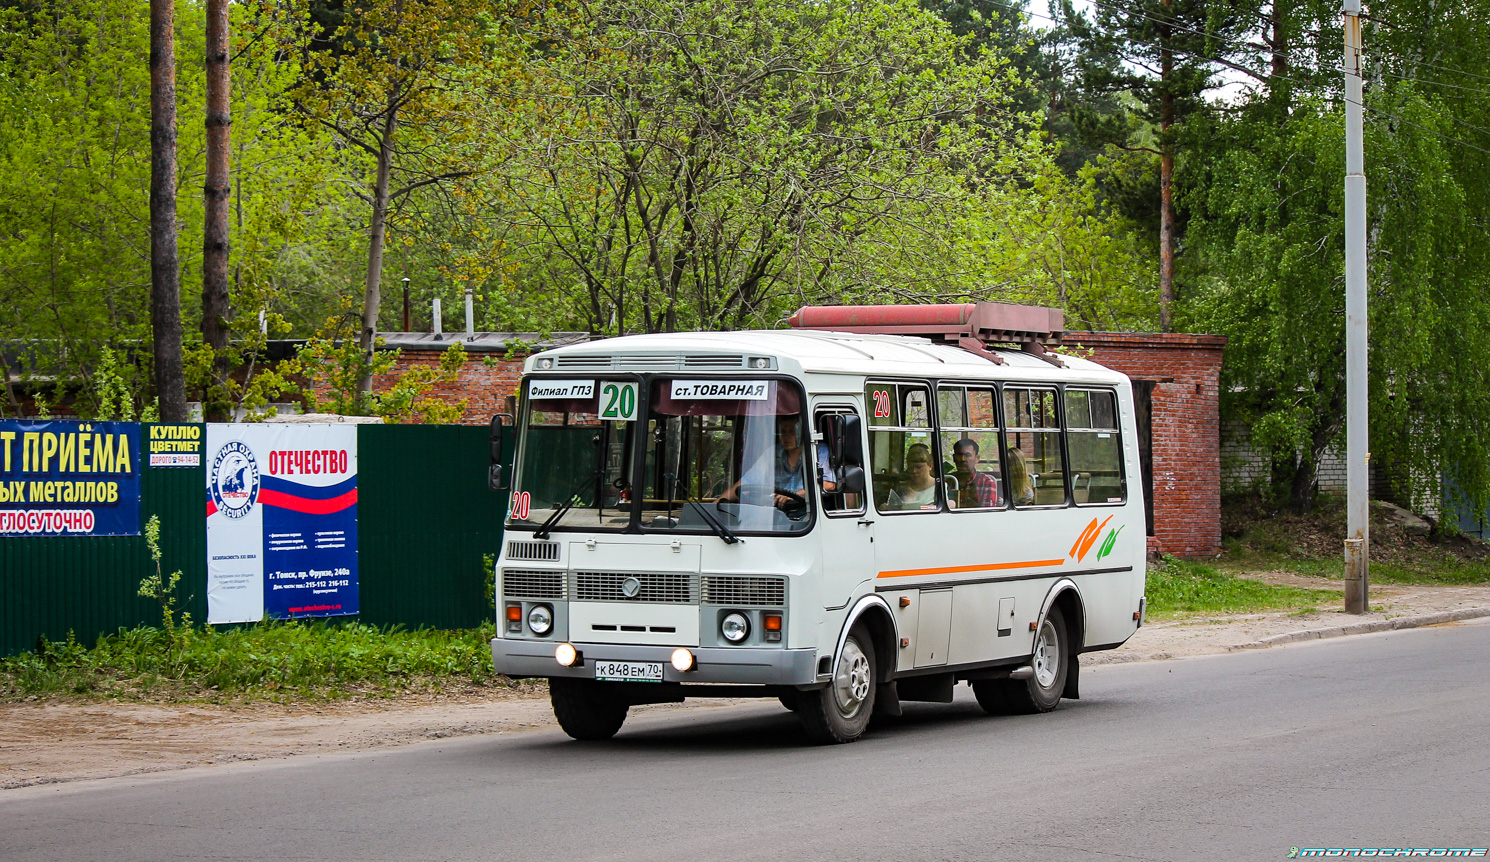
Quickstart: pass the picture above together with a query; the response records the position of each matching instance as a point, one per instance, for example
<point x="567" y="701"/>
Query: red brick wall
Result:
<point x="485" y="386"/>
<point x="1186" y="429"/>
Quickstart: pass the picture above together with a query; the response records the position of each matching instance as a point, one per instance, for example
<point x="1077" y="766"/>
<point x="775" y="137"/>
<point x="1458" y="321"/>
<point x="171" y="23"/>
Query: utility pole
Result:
<point x="1357" y="442"/>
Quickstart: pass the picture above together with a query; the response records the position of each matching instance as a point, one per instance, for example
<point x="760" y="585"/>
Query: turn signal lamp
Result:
<point x="772" y="624"/>
<point x="566" y="655"/>
<point x="514" y="618"/>
<point x="683" y="660"/>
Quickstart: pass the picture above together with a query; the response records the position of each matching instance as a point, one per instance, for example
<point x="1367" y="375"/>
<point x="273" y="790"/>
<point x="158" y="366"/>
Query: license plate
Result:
<point x="629" y="671"/>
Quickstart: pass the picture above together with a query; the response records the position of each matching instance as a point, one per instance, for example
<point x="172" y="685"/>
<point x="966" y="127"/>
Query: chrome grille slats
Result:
<point x="538" y="551"/>
<point x="664" y="587"/>
<point x="583" y="361"/>
<point x="532" y="584"/>
<point x="652" y="362"/>
<point x="744" y="590"/>
<point x="712" y="361"/>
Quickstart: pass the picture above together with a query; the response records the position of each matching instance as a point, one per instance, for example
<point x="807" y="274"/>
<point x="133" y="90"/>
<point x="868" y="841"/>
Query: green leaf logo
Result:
<point x="1108" y="542"/>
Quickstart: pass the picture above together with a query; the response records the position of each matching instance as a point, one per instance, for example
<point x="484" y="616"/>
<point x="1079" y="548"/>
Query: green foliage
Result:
<point x="407" y="399"/>
<point x="1178" y="588"/>
<point x="162" y="587"/>
<point x="335" y="366"/>
<point x="274" y="661"/>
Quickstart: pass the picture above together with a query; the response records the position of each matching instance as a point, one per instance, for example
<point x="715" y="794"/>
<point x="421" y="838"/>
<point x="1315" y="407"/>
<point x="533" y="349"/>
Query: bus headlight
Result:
<point x="735" y="627"/>
<point x="541" y="619"/>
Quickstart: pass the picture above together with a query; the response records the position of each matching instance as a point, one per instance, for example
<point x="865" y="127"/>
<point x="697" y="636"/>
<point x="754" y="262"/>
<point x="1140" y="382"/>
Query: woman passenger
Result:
<point x="919" y="490"/>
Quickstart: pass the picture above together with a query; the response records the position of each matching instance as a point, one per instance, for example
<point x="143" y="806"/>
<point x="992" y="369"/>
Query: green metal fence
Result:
<point x="425" y="520"/>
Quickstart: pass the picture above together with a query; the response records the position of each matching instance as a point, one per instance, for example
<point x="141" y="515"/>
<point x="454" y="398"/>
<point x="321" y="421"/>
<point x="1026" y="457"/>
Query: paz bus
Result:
<point x="868" y="508"/>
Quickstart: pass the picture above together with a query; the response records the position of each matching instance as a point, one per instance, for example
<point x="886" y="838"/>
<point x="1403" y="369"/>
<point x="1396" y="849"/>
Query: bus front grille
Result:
<point x="744" y="590"/>
<point x="667" y="587"/>
<point x="529" y="584"/>
<point x="539" y="551"/>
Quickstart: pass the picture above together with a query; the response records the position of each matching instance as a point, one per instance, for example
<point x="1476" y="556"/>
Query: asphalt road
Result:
<point x="1380" y="740"/>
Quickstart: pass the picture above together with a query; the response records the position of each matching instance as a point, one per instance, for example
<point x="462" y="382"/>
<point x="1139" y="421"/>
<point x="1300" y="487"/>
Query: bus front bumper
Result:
<point x="527" y="658"/>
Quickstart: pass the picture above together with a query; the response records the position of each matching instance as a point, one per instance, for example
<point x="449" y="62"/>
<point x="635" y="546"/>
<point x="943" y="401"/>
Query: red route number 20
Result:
<point x="881" y="403"/>
<point x="522" y="503"/>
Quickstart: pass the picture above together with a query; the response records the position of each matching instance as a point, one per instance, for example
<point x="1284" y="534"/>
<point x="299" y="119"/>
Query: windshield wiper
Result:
<point x="547" y="526"/>
<point x="719" y="529"/>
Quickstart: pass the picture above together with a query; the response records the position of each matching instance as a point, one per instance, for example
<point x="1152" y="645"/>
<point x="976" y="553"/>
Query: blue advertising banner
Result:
<point x="281" y="522"/>
<point x="69" y="478"/>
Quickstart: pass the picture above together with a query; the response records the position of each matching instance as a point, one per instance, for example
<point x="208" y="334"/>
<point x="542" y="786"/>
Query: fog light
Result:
<point x="541" y="619"/>
<point x="683" y="660"/>
<point x="735" y="627"/>
<point x="566" y="655"/>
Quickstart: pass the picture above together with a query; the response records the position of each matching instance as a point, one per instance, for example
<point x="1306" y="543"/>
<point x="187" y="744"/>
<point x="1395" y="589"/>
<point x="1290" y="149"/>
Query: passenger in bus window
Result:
<point x="919" y="489"/>
<point x="1020" y="487"/>
<point x="977" y="490"/>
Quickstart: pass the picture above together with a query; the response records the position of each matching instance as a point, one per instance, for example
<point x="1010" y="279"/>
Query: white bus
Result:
<point x="843" y="521"/>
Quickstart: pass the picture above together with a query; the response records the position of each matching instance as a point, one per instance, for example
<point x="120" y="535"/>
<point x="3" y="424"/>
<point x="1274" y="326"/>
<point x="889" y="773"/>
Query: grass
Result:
<point x="1260" y="539"/>
<point x="1180" y="589"/>
<point x="268" y="661"/>
<point x="1426" y="568"/>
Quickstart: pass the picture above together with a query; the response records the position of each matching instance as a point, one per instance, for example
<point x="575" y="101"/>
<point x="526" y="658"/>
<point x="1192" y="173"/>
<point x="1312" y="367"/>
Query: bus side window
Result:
<point x="1095" y="444"/>
<point x="840" y="460"/>
<point x="902" y="452"/>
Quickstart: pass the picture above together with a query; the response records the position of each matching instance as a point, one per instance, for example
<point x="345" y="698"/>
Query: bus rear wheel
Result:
<point x="840" y="712"/>
<point x="1042" y="691"/>
<point x="587" y="709"/>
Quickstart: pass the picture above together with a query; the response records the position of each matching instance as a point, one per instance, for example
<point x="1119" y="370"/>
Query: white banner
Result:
<point x="714" y="390"/>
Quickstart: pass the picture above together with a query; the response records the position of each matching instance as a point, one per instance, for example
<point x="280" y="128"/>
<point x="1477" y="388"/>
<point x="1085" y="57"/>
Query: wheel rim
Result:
<point x="851" y="682"/>
<point x="1047" y="655"/>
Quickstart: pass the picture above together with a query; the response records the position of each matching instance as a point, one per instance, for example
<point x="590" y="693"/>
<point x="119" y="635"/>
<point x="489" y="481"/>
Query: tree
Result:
<point x="705" y="164"/>
<point x="1164" y="54"/>
<point x="165" y="274"/>
<point x="385" y="79"/>
<point x="215" y="234"/>
<point x="1267" y="242"/>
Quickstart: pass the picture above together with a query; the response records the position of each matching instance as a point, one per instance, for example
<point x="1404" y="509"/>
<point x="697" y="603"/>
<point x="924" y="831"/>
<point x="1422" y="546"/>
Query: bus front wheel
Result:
<point x="1050" y="661"/>
<point x="841" y="711"/>
<point x="587" y="709"/>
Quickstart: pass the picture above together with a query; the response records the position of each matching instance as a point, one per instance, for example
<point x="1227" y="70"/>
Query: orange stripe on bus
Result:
<point x="952" y="570"/>
<point x="1086" y="544"/>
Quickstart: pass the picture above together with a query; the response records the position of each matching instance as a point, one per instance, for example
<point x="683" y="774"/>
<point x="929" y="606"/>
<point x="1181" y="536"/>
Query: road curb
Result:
<point x="1365" y="628"/>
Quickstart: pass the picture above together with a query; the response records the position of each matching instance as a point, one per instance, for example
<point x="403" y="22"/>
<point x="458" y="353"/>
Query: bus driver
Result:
<point x="789" y="475"/>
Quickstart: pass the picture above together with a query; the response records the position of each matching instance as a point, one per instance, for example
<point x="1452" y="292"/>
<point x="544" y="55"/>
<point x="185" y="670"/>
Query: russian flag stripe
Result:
<point x="294" y="503"/>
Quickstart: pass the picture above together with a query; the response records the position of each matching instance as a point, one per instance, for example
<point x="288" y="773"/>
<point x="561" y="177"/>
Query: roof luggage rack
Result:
<point x="973" y="326"/>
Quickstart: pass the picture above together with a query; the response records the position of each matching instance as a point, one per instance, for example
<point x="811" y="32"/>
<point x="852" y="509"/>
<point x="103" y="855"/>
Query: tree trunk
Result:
<point x="1166" y="192"/>
<point x="215" y="306"/>
<point x="165" y="287"/>
<point x="372" y="295"/>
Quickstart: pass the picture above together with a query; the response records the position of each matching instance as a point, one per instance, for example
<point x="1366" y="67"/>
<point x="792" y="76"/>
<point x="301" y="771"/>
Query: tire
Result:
<point x="841" y="712"/>
<point x="586" y="709"/>
<point x="1041" y="692"/>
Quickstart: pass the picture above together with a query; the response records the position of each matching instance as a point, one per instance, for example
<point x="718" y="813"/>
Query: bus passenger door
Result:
<point x="846" y="528"/>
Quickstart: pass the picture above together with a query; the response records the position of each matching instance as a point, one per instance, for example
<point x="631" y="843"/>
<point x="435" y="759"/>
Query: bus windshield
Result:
<point x="720" y="456"/>
<point x="574" y="464"/>
<point x="730" y="453"/>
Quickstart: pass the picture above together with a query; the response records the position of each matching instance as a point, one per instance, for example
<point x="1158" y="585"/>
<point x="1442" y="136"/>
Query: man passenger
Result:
<point x="977" y="490"/>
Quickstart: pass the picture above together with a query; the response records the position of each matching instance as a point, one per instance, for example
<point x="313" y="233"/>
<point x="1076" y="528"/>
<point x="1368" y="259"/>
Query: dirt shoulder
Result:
<point x="53" y="741"/>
